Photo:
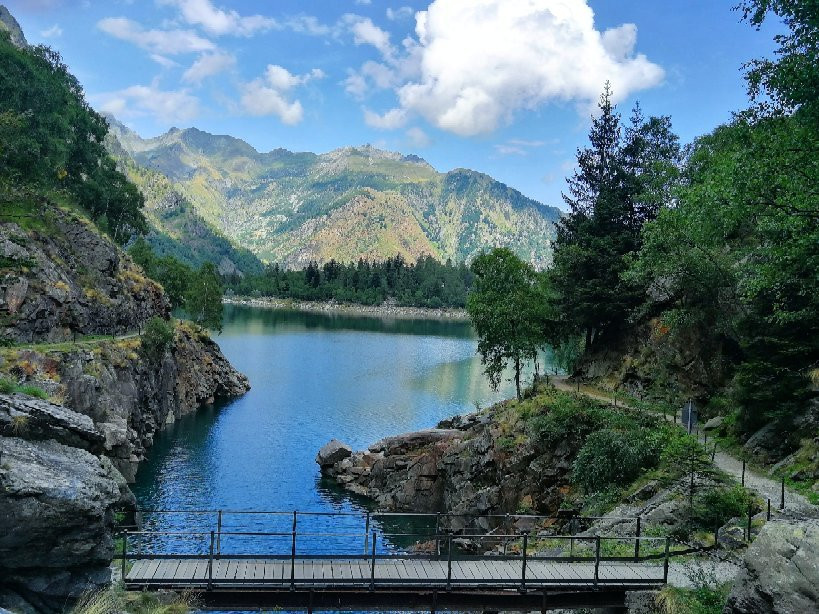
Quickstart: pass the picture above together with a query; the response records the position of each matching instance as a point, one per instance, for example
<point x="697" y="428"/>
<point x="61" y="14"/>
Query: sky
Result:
<point x="505" y="87"/>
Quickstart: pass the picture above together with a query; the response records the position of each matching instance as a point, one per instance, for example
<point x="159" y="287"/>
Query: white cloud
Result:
<point x="402" y="12"/>
<point x="418" y="138"/>
<point x="54" y="31"/>
<point x="474" y="63"/>
<point x="208" y="65"/>
<point x="392" y="119"/>
<point x="140" y="100"/>
<point x="365" y="32"/>
<point x="268" y="94"/>
<point x="162" y="42"/>
<point x="519" y="147"/>
<point x="363" y="2"/>
<point x="163" y="61"/>
<point x="219" y="21"/>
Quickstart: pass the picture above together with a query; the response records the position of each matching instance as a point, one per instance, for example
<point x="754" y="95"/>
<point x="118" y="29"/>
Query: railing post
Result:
<point x="743" y="472"/>
<point x="637" y="542"/>
<point x="714" y="452"/>
<point x="372" y="565"/>
<point x="507" y="529"/>
<point x="124" y="553"/>
<point x="665" y="564"/>
<point x="523" y="567"/>
<point x="449" y="563"/>
<point x="596" y="559"/>
<point x="367" y="534"/>
<point x="210" y="561"/>
<point x="437" y="532"/>
<point x="293" y="556"/>
<point x="219" y="534"/>
<point x="769" y="510"/>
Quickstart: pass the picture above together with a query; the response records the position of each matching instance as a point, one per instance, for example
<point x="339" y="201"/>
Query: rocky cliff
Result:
<point x="59" y="277"/>
<point x="58" y="494"/>
<point x="492" y="462"/>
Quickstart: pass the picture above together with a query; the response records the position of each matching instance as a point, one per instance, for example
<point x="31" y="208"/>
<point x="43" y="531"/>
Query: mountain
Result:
<point x="176" y="229"/>
<point x="294" y="207"/>
<point x="9" y="24"/>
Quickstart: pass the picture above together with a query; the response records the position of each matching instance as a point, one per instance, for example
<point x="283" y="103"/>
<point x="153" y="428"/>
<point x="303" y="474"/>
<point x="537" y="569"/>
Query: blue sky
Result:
<point x="500" y="86"/>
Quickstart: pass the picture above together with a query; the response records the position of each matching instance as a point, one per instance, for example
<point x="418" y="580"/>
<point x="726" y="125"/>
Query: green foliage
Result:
<point x="716" y="506"/>
<point x="708" y="595"/>
<point x="203" y="297"/>
<point x="614" y="458"/>
<point x="510" y="310"/>
<point x="426" y="283"/>
<point x="7" y="386"/>
<point x="53" y="140"/>
<point x="157" y="337"/>
<point x="624" y="177"/>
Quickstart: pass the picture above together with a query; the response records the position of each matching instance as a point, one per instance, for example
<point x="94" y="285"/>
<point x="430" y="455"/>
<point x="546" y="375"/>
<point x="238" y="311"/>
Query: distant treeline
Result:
<point x="426" y="283"/>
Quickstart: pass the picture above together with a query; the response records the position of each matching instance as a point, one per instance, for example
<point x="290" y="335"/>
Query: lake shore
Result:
<point x="385" y="310"/>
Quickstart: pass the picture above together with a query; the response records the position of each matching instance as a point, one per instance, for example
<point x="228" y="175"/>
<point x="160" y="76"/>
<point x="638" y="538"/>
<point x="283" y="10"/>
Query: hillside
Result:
<point x="353" y="202"/>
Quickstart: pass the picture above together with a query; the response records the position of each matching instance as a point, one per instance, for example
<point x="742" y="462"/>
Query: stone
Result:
<point x="714" y="424"/>
<point x="781" y="571"/>
<point x="35" y="419"/>
<point x="332" y="452"/>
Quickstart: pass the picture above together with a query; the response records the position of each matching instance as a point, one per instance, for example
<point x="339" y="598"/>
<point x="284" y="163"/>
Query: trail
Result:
<point x="796" y="505"/>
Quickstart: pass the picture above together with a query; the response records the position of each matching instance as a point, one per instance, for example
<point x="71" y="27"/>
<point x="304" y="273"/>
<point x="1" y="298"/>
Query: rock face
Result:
<point x="465" y="467"/>
<point x="125" y="395"/>
<point x="9" y="24"/>
<point x="69" y="279"/>
<point x="781" y="574"/>
<point x="332" y="452"/>
<point x="57" y="502"/>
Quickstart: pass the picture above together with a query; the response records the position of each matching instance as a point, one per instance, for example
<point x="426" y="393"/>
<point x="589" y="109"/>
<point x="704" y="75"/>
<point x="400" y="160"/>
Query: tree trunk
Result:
<point x="517" y="377"/>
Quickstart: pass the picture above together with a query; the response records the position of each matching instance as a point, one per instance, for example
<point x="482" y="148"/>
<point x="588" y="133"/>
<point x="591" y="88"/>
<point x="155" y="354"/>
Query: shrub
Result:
<point x="157" y="338"/>
<point x="714" y="507"/>
<point x="33" y="391"/>
<point x="610" y="457"/>
<point x="7" y="386"/>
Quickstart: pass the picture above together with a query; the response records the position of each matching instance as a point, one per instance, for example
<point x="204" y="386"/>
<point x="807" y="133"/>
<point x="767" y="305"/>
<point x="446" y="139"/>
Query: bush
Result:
<point x="33" y="391"/>
<point x="714" y="507"/>
<point x="611" y="457"/>
<point x="157" y="338"/>
<point x="7" y="386"/>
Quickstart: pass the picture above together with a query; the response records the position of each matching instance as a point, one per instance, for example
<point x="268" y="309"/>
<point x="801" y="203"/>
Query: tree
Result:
<point x="622" y="180"/>
<point x="509" y="308"/>
<point x="203" y="300"/>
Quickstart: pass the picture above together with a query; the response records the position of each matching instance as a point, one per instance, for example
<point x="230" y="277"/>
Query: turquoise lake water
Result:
<point x="314" y="377"/>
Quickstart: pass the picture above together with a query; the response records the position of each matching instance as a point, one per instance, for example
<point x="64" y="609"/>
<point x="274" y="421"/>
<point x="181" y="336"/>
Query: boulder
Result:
<point x="714" y="424"/>
<point x="40" y="420"/>
<point x="332" y="452"/>
<point x="781" y="571"/>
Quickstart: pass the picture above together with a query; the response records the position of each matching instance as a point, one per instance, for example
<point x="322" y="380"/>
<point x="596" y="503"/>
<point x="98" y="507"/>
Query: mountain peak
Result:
<point x="9" y="24"/>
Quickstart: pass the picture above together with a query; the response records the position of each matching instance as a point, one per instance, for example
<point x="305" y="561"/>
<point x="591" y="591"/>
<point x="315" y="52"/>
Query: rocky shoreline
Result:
<point x="385" y="310"/>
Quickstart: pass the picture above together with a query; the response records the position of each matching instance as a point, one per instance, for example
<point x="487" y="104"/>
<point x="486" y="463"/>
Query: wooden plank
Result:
<point x="166" y="569"/>
<point x="150" y="570"/>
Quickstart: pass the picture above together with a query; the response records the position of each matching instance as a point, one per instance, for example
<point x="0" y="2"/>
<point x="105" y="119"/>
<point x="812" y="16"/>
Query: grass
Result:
<point x="9" y="387"/>
<point x="115" y="600"/>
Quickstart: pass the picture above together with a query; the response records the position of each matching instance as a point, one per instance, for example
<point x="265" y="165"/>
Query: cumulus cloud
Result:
<point x="365" y="32"/>
<point x="54" y="31"/>
<point x="418" y="138"/>
<point x="161" y="42"/>
<point x="474" y="63"/>
<point x="208" y="65"/>
<point x="139" y="100"/>
<point x="392" y="119"/>
<point x="219" y="21"/>
<point x="268" y="95"/>
<point x="402" y="12"/>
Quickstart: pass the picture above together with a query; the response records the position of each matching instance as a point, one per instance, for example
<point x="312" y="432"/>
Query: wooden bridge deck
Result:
<point x="352" y="573"/>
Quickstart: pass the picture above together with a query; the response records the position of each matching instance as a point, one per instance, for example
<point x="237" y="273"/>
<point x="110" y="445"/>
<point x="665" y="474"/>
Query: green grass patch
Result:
<point x="7" y="386"/>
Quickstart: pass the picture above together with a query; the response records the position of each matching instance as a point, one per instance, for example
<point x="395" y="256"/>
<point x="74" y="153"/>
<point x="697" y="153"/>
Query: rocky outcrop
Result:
<point x="781" y="574"/>
<point x="9" y="24"/>
<point x="126" y="395"/>
<point x="465" y="466"/>
<point x="57" y="502"/>
<point x="67" y="279"/>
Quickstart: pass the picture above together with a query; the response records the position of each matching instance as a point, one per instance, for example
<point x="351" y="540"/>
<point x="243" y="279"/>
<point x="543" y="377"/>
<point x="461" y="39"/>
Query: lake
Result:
<point x="314" y="376"/>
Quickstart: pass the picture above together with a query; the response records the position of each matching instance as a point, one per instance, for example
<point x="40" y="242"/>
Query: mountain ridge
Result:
<point x="349" y="203"/>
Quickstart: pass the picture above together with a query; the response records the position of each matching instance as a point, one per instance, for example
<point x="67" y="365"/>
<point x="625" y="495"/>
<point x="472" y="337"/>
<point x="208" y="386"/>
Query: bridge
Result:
<point x="344" y="561"/>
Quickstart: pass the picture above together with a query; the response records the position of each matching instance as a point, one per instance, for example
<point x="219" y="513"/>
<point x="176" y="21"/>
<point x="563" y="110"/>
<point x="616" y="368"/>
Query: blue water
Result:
<point x="314" y="377"/>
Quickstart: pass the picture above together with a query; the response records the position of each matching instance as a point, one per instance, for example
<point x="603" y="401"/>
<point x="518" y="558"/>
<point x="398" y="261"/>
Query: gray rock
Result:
<point x="714" y="424"/>
<point x="332" y="452"/>
<point x="38" y="420"/>
<point x="9" y="24"/>
<point x="781" y="574"/>
<point x="57" y="506"/>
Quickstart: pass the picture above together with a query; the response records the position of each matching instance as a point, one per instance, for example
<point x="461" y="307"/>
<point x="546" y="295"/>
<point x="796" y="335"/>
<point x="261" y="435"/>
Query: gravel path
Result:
<point x="796" y="505"/>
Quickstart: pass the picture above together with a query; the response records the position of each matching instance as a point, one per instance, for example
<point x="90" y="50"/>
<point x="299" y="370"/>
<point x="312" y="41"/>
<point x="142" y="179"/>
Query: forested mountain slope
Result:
<point x="350" y="203"/>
